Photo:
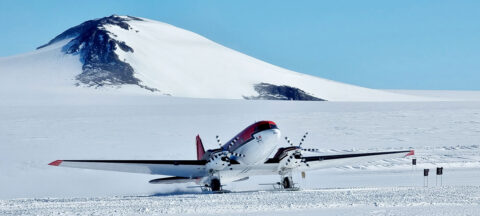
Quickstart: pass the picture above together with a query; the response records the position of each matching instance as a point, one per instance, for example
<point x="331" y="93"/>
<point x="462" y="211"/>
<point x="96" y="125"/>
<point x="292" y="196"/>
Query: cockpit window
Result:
<point x="262" y="127"/>
<point x="272" y="126"/>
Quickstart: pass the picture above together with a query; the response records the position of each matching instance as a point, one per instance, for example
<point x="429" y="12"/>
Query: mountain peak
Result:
<point x="91" y="25"/>
<point x="96" y="47"/>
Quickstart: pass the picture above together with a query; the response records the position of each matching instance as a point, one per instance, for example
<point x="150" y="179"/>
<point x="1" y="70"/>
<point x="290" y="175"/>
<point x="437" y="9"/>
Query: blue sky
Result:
<point x="377" y="44"/>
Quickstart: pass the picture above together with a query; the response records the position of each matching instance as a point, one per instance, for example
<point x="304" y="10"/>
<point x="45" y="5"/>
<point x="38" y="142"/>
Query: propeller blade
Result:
<point x="219" y="142"/>
<point x="310" y="150"/>
<point x="238" y="154"/>
<point x="303" y="139"/>
<point x="288" y="141"/>
<point x="231" y="144"/>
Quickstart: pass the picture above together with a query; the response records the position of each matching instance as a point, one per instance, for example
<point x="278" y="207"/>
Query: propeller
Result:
<point x="225" y="154"/>
<point x="232" y="143"/>
<point x="288" y="141"/>
<point x="219" y="142"/>
<point x="299" y="148"/>
<point x="236" y="154"/>
<point x="310" y="150"/>
<point x="303" y="139"/>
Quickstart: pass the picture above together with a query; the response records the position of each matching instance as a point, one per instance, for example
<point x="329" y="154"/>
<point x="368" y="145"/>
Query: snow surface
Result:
<point x="116" y="126"/>
<point x="463" y="200"/>
<point x="444" y="95"/>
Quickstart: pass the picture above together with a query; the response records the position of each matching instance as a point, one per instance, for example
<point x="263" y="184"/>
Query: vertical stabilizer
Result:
<point x="200" y="149"/>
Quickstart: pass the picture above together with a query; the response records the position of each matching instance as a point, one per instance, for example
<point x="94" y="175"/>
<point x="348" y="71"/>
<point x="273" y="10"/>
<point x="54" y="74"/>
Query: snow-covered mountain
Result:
<point x="129" y="54"/>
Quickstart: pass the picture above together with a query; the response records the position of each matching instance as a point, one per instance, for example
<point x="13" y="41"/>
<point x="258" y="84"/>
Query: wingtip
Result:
<point x="412" y="152"/>
<point x="55" y="163"/>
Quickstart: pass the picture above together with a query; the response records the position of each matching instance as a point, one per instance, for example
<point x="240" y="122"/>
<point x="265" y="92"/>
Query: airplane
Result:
<point x="246" y="154"/>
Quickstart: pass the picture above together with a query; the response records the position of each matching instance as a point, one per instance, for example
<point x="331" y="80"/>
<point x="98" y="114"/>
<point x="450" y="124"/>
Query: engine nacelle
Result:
<point x="291" y="159"/>
<point x="218" y="162"/>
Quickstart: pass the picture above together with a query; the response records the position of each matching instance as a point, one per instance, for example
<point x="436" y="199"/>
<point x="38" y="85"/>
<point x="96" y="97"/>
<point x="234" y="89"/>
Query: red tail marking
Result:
<point x="55" y="163"/>
<point x="200" y="149"/>
<point x="412" y="152"/>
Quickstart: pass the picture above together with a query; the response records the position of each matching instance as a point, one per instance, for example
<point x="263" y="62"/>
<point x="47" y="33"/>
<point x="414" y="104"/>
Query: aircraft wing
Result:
<point x="196" y="168"/>
<point x="180" y="168"/>
<point x="327" y="161"/>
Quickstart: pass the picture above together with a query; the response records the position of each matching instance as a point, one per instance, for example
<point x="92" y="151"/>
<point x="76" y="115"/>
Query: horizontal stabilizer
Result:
<point x="172" y="180"/>
<point x="242" y="179"/>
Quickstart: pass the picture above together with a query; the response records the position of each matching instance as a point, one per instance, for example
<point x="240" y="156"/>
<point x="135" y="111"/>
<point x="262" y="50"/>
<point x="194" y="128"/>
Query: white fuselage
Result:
<point x="256" y="151"/>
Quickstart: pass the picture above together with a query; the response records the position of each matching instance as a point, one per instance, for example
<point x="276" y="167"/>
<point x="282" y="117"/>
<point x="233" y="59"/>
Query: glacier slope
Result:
<point x="170" y="58"/>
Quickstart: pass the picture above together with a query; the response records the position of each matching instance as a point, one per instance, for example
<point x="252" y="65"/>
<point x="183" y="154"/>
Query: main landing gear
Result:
<point x="214" y="186"/>
<point x="287" y="182"/>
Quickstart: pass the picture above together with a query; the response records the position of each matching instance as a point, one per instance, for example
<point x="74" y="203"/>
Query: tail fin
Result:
<point x="200" y="149"/>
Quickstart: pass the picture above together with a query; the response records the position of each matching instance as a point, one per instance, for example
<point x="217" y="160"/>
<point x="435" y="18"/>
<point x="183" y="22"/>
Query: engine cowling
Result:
<point x="218" y="162"/>
<point x="290" y="159"/>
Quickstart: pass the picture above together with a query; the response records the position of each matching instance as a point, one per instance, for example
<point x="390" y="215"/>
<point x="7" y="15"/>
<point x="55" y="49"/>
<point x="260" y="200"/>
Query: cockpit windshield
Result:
<point x="262" y="127"/>
<point x="265" y="126"/>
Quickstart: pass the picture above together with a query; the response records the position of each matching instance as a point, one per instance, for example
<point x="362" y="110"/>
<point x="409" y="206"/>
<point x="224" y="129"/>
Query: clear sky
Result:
<point x="378" y="44"/>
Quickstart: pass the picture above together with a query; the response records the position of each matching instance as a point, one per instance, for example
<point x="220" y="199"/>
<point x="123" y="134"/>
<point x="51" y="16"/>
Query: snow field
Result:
<point x="318" y="202"/>
<point x="109" y="126"/>
<point x="141" y="127"/>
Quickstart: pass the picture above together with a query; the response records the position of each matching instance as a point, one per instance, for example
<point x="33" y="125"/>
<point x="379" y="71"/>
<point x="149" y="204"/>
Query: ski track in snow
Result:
<point x="463" y="200"/>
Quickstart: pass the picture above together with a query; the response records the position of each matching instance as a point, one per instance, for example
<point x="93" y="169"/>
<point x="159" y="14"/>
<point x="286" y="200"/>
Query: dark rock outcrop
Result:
<point x="268" y="91"/>
<point x="96" y="46"/>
